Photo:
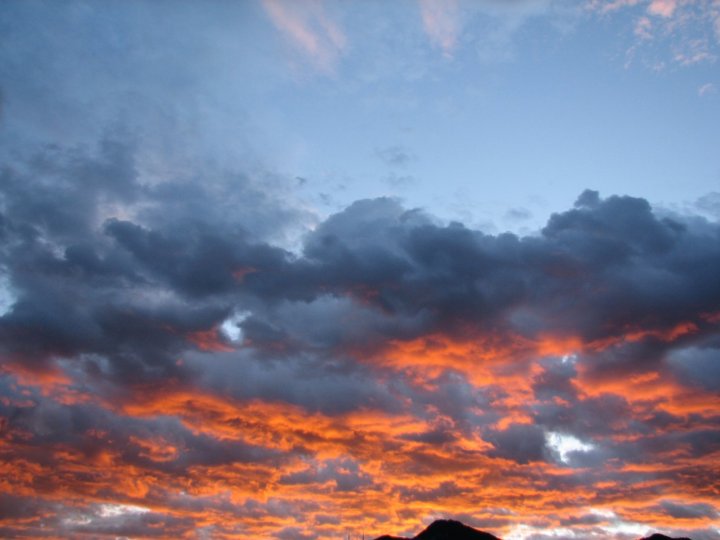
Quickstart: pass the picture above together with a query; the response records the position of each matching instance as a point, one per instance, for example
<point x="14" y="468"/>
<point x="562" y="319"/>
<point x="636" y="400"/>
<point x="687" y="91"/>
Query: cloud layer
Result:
<point x="188" y="350"/>
<point x="168" y="369"/>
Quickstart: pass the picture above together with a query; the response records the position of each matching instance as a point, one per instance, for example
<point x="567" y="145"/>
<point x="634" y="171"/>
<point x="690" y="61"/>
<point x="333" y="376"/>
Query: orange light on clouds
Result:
<point x="371" y="469"/>
<point x="209" y="340"/>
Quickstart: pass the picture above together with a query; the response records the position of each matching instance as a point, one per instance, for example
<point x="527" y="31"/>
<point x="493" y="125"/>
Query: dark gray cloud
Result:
<point x="345" y="474"/>
<point x="121" y="285"/>
<point x="597" y="270"/>
<point x="682" y="510"/>
<point x="119" y="275"/>
<point x="86" y="281"/>
<point x="697" y="366"/>
<point x="589" y="417"/>
<point x="522" y="443"/>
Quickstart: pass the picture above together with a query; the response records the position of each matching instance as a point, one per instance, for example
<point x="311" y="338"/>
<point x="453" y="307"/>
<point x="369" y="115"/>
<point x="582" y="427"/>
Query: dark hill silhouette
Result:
<point x="658" y="536"/>
<point x="447" y="529"/>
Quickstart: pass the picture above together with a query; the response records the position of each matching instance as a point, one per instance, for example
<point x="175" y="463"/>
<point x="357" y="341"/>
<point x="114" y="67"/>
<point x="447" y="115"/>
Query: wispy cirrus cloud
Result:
<point x="676" y="31"/>
<point x="707" y="89"/>
<point x="442" y="23"/>
<point x="307" y="25"/>
<point x="486" y="25"/>
<point x="663" y="8"/>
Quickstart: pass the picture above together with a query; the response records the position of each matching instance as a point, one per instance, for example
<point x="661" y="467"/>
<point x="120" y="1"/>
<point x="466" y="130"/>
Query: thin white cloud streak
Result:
<point x="306" y="25"/>
<point x="608" y="6"/>
<point x="707" y="89"/>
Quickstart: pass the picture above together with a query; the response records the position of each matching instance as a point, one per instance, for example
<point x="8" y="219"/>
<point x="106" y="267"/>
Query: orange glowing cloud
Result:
<point x="209" y="340"/>
<point x="155" y="449"/>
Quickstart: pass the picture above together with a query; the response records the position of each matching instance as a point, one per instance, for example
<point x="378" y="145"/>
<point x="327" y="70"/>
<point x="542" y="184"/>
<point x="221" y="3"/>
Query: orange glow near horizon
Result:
<point x="279" y="466"/>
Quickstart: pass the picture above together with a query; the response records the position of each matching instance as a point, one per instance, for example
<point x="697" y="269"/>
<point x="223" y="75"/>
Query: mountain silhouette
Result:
<point x="447" y="529"/>
<point x="658" y="536"/>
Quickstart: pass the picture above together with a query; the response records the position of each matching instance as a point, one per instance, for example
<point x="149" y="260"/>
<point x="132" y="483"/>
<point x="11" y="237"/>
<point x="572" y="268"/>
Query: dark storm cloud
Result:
<point x="452" y="396"/>
<point x="596" y="270"/>
<point x="183" y="255"/>
<point x="522" y="443"/>
<point x="556" y="380"/>
<point x="611" y="264"/>
<point x="123" y="286"/>
<point x="681" y="510"/>
<point x="344" y="473"/>
<point x="104" y="264"/>
<point x="58" y="193"/>
<point x="697" y="366"/>
<point x="443" y="491"/>
<point x="593" y="416"/>
<point x="88" y="282"/>
<point x="195" y="260"/>
<point x="317" y="383"/>
<point x="400" y="262"/>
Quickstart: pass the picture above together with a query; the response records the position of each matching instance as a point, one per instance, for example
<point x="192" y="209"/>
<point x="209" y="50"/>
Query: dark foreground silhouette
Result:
<point x="447" y="529"/>
<point x="657" y="536"/>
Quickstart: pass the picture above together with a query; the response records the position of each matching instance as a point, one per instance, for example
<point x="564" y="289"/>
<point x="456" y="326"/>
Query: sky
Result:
<point x="304" y="269"/>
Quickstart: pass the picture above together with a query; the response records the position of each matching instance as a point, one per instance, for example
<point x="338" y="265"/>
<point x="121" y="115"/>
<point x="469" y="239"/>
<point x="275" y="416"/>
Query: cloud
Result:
<point x="442" y="23"/>
<point x="394" y="156"/>
<point x="662" y="8"/>
<point x="486" y="26"/>
<point x="669" y="30"/>
<point x="518" y="214"/>
<point x="519" y="442"/>
<point x="608" y="6"/>
<point x="307" y="25"/>
<point x="690" y="511"/>
<point x="709" y="203"/>
<point x="162" y="351"/>
<point x="187" y="350"/>
<point x="68" y="77"/>
<point x="707" y="89"/>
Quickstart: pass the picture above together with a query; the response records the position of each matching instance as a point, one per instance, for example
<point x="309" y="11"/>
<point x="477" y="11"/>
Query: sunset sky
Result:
<point x="302" y="269"/>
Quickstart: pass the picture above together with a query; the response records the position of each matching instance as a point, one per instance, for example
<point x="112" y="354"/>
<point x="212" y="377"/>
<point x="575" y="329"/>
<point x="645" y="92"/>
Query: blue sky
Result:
<point x="521" y="107"/>
<point x="531" y="104"/>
